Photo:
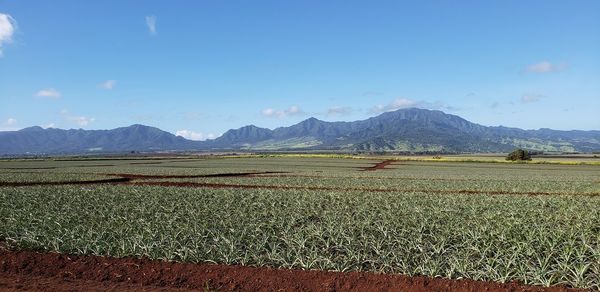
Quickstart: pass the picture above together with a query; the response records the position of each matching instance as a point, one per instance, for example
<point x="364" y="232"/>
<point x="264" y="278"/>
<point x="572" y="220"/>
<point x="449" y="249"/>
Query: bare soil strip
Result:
<point x="27" y="168"/>
<point x="24" y="270"/>
<point x="20" y="283"/>
<point x="378" y="166"/>
<point x="59" y="183"/>
<point x="233" y="174"/>
<point x="125" y="178"/>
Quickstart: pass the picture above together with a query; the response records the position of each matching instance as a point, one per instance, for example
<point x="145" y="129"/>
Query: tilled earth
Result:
<point x="26" y="270"/>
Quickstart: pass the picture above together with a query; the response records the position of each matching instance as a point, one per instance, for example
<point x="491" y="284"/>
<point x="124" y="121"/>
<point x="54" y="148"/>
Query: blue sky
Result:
<point x="202" y="67"/>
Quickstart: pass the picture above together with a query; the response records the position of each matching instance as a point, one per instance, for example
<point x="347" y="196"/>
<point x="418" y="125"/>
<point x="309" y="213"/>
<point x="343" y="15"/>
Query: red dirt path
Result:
<point x="60" y="183"/>
<point x="378" y="166"/>
<point x="233" y="174"/>
<point x="25" y="270"/>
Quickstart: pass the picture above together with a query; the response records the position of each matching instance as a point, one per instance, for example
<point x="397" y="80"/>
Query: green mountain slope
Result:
<point x="414" y="130"/>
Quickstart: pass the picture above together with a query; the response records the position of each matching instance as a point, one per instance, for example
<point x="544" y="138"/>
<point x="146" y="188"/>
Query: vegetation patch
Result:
<point x="537" y="224"/>
<point x="519" y="155"/>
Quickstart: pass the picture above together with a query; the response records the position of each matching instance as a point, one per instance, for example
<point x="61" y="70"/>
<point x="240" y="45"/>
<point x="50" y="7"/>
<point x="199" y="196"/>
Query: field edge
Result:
<point x="64" y="272"/>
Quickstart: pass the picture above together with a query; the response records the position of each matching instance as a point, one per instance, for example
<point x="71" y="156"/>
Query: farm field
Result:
<point x="371" y="221"/>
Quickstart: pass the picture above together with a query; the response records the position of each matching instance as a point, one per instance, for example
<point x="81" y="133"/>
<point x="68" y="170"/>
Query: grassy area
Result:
<point x="412" y="228"/>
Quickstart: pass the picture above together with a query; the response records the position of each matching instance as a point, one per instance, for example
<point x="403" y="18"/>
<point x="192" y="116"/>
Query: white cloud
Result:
<point x="108" y="84"/>
<point x="339" y="111"/>
<point x="191" y="135"/>
<point x="544" y="67"/>
<point x="151" y="23"/>
<point x="528" y="98"/>
<point x="274" y="113"/>
<point x="8" y="125"/>
<point x="50" y="125"/>
<point x="82" y="121"/>
<point x="49" y="93"/>
<point x="398" y="103"/>
<point x="7" y="29"/>
<point x="293" y="110"/>
<point x="269" y="112"/>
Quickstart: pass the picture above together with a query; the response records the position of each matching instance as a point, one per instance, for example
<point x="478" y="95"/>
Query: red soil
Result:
<point x="125" y="177"/>
<point x="25" y="270"/>
<point x="58" y="183"/>
<point x="378" y="166"/>
<point x="233" y="174"/>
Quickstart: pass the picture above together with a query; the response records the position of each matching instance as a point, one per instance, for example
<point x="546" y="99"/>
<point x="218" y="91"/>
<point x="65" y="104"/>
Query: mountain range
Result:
<point x="406" y="130"/>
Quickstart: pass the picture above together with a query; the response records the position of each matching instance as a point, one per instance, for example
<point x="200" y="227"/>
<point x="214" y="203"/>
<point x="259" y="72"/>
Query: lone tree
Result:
<point x="519" y="155"/>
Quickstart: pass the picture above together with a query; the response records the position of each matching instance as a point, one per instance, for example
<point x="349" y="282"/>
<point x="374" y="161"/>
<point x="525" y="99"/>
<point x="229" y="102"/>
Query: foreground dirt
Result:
<point x="24" y="270"/>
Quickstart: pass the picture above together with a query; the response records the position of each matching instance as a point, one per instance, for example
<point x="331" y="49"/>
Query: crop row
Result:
<point x="373" y="183"/>
<point x="544" y="240"/>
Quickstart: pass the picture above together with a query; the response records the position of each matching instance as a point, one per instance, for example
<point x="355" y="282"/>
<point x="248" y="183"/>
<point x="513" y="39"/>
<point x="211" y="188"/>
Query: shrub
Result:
<point x="519" y="155"/>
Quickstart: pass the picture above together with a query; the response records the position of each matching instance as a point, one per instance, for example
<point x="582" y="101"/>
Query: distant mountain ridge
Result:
<point x="411" y="130"/>
<point x="406" y="130"/>
<point x="36" y="140"/>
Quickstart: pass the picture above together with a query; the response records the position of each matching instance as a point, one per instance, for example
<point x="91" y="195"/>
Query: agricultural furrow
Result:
<point x="59" y="183"/>
<point x="26" y="270"/>
<point x="378" y="166"/>
<point x="232" y="174"/>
